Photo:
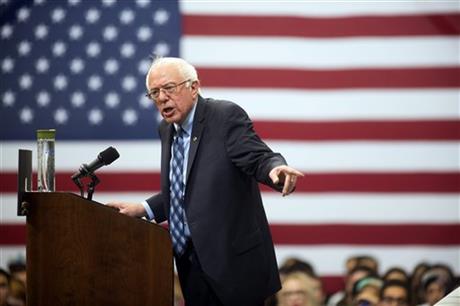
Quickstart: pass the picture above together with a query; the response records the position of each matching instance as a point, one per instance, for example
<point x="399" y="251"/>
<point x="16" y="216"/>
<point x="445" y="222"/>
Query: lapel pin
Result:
<point x="194" y="139"/>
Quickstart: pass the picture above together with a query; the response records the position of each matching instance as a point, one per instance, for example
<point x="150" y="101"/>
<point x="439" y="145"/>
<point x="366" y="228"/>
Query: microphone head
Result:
<point x="108" y="155"/>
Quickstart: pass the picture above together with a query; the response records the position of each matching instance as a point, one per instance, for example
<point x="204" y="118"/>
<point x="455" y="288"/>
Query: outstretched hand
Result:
<point x="129" y="209"/>
<point x="286" y="176"/>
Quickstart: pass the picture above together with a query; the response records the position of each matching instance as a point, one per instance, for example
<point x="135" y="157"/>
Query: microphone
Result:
<point x="104" y="158"/>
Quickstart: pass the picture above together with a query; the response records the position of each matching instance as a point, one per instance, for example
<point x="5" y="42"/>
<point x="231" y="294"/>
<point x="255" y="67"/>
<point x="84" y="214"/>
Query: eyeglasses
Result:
<point x="169" y="89"/>
<point x="390" y="300"/>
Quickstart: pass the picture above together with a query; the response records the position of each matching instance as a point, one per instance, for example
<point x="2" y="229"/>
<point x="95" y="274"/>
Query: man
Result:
<point x="211" y="163"/>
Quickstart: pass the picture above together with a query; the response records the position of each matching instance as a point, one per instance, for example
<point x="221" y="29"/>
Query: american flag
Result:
<point x="363" y="96"/>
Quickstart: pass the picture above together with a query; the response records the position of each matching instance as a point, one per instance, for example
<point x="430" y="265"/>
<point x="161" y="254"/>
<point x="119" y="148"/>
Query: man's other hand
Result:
<point x="285" y="175"/>
<point x="129" y="209"/>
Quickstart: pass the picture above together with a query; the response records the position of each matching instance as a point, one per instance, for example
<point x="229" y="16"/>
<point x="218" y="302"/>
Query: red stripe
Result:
<point x="401" y="25"/>
<point x="436" y="77"/>
<point x="335" y="234"/>
<point x="366" y="234"/>
<point x="442" y="182"/>
<point x="360" y="130"/>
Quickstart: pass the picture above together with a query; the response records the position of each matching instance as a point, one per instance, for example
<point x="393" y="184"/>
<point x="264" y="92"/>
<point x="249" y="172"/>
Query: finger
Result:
<point x="294" y="172"/>
<point x="287" y="184"/>
<point x="293" y="183"/>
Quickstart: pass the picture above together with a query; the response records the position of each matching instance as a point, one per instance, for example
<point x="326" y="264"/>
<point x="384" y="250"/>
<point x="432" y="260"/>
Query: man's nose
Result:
<point x="162" y="97"/>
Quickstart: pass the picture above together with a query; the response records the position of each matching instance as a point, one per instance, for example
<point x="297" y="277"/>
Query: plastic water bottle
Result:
<point x="45" y="166"/>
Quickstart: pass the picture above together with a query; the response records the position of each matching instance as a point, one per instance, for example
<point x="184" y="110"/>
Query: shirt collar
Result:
<point x="188" y="122"/>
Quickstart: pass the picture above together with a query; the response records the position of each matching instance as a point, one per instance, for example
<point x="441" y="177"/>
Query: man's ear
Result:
<point x="195" y="87"/>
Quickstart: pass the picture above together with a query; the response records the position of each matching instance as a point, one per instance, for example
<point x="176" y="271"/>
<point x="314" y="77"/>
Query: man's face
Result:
<point x="173" y="107"/>
<point x="394" y="296"/>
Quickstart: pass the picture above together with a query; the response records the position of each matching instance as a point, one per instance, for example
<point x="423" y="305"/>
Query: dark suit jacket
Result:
<point x="223" y="205"/>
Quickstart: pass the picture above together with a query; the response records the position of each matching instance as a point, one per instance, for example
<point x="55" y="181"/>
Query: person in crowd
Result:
<point x="362" y="261"/>
<point x="396" y="273"/>
<point x="417" y="296"/>
<point x="17" y="270"/>
<point x="296" y="265"/>
<point x="353" y="276"/>
<point x="394" y="293"/>
<point x="16" y="293"/>
<point x="295" y="291"/>
<point x="437" y="282"/>
<point x="366" y="291"/>
<point x="4" y="286"/>
<point x="211" y="165"/>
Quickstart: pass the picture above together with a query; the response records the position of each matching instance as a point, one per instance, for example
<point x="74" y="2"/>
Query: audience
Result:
<point x="301" y="286"/>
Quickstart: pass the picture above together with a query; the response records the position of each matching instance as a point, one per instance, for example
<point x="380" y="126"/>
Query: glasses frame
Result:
<point x="167" y="89"/>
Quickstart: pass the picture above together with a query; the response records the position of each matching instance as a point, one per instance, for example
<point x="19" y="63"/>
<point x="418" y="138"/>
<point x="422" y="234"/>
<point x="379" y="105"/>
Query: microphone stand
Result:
<point x="91" y="185"/>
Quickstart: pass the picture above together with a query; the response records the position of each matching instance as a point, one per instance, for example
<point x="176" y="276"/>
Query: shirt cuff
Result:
<point x="149" y="211"/>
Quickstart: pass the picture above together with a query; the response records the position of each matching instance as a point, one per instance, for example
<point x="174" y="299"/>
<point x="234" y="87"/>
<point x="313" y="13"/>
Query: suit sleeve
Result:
<point x="246" y="150"/>
<point x="156" y="205"/>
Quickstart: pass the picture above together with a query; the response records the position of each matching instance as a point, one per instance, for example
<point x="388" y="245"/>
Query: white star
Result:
<point x="24" y="47"/>
<point x="94" y="82"/>
<point x="25" y="81"/>
<point x="143" y="3"/>
<point x="77" y="99"/>
<point x="93" y="49"/>
<point x="161" y="49"/>
<point x="129" y="116"/>
<point x="77" y="65"/>
<point x="111" y="66"/>
<point x="7" y="31"/>
<point x="60" y="82"/>
<point x="26" y="115"/>
<point x="43" y="99"/>
<point x="92" y="15"/>
<point x="143" y="66"/>
<point x="7" y="64"/>
<point x="59" y="48"/>
<point x="74" y="2"/>
<point x="8" y="98"/>
<point x="75" y="32"/>
<point x="58" y="15"/>
<point x="23" y="14"/>
<point x="127" y="50"/>
<point x="144" y="33"/>
<point x="108" y="3"/>
<point x="95" y="116"/>
<point x="41" y="31"/>
<point x="126" y="16"/>
<point x="42" y="65"/>
<point x="160" y="17"/>
<point x="110" y="33"/>
<point x="129" y="83"/>
<point x="112" y="99"/>
<point x="145" y="102"/>
<point x="61" y="116"/>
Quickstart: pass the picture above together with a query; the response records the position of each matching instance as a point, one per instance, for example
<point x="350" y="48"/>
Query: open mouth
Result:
<point x="167" y="111"/>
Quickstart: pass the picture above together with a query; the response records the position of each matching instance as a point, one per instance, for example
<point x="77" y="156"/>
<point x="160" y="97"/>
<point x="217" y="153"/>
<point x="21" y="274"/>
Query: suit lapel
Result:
<point x="166" y="138"/>
<point x="197" y="130"/>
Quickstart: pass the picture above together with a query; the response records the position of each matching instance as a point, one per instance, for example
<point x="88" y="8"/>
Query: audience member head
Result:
<point x="362" y="261"/>
<point x="396" y="273"/>
<point x="291" y="265"/>
<point x="437" y="282"/>
<point x="295" y="291"/>
<point x="17" y="293"/>
<point x="366" y="291"/>
<point x="394" y="293"/>
<point x="18" y="270"/>
<point x="4" y="286"/>
<point x="315" y="285"/>
<point x="416" y="293"/>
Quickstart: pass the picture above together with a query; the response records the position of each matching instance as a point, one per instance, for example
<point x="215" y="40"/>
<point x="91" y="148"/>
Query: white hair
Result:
<point x="185" y="69"/>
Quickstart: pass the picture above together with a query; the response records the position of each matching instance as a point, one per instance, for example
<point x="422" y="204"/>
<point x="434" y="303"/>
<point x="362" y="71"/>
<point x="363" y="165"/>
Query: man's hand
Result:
<point x="129" y="209"/>
<point x="285" y="175"/>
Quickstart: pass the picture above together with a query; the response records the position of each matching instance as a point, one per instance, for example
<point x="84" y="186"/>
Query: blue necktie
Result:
<point x="176" y="215"/>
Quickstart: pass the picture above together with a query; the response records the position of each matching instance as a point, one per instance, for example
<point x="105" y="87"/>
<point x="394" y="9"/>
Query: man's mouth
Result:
<point x="167" y="111"/>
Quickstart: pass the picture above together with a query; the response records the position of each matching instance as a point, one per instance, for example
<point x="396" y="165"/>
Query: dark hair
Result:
<point x="297" y="265"/>
<point x="396" y="269"/>
<point x="395" y="283"/>
<point x="6" y="274"/>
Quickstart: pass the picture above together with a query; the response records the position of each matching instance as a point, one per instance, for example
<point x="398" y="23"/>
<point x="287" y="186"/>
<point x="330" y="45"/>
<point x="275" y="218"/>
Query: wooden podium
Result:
<point x="80" y="252"/>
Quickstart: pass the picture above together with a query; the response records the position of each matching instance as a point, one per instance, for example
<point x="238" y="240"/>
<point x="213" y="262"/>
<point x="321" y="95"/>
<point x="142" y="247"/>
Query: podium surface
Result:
<point x="81" y="252"/>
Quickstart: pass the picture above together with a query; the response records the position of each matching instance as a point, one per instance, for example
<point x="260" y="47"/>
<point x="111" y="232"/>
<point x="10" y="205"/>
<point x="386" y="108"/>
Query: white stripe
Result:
<point x="362" y="208"/>
<point x="302" y="105"/>
<point x="299" y="208"/>
<point x="316" y="8"/>
<point x="337" y="53"/>
<point x="307" y="156"/>
<point x="330" y="260"/>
